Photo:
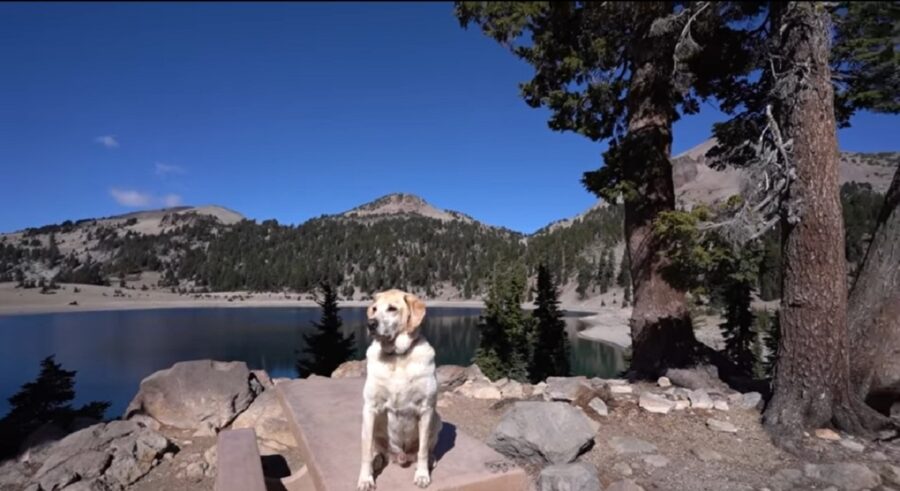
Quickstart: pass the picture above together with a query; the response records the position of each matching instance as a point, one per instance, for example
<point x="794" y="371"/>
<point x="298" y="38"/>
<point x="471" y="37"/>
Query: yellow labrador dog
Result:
<point x="399" y="398"/>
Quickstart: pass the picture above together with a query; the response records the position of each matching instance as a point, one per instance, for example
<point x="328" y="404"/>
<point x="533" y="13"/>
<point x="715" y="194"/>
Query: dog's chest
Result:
<point x="400" y="387"/>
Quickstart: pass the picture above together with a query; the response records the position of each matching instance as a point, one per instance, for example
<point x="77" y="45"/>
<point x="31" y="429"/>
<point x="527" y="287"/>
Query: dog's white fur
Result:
<point x="400" y="395"/>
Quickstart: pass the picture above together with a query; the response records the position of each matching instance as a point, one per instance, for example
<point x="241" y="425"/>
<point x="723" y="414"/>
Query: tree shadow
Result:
<point x="446" y="441"/>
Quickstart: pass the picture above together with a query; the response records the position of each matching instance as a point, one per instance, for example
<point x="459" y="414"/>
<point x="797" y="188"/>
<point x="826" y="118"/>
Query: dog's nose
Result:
<point x="373" y="324"/>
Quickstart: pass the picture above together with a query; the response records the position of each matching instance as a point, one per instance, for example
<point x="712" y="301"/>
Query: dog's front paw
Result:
<point x="422" y="478"/>
<point x="365" y="483"/>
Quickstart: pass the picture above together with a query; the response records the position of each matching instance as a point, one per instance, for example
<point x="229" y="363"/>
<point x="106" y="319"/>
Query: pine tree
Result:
<point x="506" y="330"/>
<point x="45" y="400"/>
<point x="740" y="338"/>
<point x="551" y="343"/>
<point x="624" y="277"/>
<point x="328" y="347"/>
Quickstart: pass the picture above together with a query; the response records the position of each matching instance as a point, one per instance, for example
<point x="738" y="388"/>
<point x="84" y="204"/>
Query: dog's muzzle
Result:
<point x="372" y="325"/>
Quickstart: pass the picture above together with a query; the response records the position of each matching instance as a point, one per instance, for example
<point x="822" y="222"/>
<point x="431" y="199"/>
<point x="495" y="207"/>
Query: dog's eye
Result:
<point x="391" y="308"/>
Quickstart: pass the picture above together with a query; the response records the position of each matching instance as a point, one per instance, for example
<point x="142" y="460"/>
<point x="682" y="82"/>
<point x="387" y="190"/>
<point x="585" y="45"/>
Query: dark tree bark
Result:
<point x="661" y="329"/>
<point x="812" y="374"/>
<point x="874" y="308"/>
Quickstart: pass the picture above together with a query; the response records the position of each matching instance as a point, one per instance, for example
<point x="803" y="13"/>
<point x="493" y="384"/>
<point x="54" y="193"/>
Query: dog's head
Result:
<point x="394" y="319"/>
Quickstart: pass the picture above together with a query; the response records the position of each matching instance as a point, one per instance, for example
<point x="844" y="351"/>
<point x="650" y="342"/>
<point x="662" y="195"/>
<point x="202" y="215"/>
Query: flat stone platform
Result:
<point x="326" y="417"/>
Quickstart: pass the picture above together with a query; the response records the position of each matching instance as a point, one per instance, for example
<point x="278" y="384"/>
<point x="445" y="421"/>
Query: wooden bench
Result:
<point x="239" y="467"/>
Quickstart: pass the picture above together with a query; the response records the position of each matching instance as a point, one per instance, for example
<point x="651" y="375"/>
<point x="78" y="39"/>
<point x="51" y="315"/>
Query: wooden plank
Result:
<point x="239" y="467"/>
<point x="326" y="416"/>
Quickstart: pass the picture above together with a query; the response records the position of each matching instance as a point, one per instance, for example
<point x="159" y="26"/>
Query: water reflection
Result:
<point x="112" y="351"/>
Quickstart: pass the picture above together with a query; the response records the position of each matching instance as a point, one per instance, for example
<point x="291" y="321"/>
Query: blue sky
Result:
<point x="284" y="111"/>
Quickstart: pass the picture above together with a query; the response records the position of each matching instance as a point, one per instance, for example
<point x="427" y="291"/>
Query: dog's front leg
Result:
<point x="366" y="479"/>
<point x="423" y="474"/>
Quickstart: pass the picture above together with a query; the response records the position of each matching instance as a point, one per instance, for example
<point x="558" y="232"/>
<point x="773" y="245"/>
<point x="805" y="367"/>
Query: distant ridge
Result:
<point x="404" y="204"/>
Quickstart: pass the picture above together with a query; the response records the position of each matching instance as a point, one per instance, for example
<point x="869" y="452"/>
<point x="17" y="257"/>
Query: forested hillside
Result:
<point x="395" y="241"/>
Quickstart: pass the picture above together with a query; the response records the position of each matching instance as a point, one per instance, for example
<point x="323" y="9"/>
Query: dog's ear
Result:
<point x="416" y="311"/>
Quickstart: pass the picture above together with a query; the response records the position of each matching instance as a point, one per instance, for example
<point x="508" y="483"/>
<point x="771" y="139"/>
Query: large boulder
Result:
<point x="266" y="416"/>
<point x="202" y="395"/>
<point x="579" y="476"/>
<point x="543" y="433"/>
<point x="350" y="369"/>
<point x="112" y="455"/>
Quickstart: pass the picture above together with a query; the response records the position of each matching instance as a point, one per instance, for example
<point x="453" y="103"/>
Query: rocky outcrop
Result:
<point x="349" y="369"/>
<point x="106" y="456"/>
<point x="543" y="433"/>
<point x="202" y="395"/>
<point x="266" y="416"/>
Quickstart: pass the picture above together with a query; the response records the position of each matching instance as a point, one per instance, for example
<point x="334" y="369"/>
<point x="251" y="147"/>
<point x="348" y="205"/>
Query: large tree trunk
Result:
<point x="661" y="330"/>
<point x="812" y="374"/>
<point x="874" y="311"/>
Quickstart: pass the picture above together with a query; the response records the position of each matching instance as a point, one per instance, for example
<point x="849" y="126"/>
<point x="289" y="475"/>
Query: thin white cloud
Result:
<point x="108" y="141"/>
<point x="130" y="197"/>
<point x="171" y="200"/>
<point x="163" y="169"/>
<point x="133" y="198"/>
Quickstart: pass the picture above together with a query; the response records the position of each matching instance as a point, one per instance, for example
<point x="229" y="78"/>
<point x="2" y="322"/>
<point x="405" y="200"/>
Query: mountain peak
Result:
<point x="403" y="204"/>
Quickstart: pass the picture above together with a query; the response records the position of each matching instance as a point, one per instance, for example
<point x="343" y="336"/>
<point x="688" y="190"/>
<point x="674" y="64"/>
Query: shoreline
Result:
<point x="605" y="325"/>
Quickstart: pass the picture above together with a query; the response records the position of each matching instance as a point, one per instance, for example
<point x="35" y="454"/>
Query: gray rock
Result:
<point x="579" y="476"/>
<point x="479" y="389"/>
<point x="750" y="400"/>
<point x="566" y="388"/>
<point x="350" y="369"/>
<point x="720" y="405"/>
<point x="264" y="379"/>
<point x="655" y="404"/>
<point x="891" y="474"/>
<point x="706" y="455"/>
<point x="664" y="382"/>
<point x="91" y="485"/>
<point x="723" y="426"/>
<point x="624" y="485"/>
<point x="700" y="399"/>
<point x="624" y="445"/>
<point x="699" y="377"/>
<point x="656" y="461"/>
<point x="852" y="445"/>
<point x="266" y="416"/>
<point x="512" y="389"/>
<point x="849" y="476"/>
<point x="120" y="451"/>
<point x="543" y="433"/>
<point x="201" y="395"/>
<point x="474" y="373"/>
<point x="12" y="474"/>
<point x="599" y="406"/>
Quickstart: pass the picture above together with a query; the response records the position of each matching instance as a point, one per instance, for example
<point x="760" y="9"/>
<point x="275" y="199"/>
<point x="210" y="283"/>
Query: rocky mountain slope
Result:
<point x="396" y="240"/>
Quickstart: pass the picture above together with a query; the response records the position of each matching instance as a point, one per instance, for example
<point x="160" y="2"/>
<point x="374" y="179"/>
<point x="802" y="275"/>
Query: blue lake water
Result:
<point x="113" y="351"/>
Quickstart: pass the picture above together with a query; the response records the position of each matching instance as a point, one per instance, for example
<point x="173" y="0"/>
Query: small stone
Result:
<point x="853" y="446"/>
<point x="539" y="388"/>
<point x="849" y="476"/>
<point x="195" y="471"/>
<point x="624" y="485"/>
<point x="681" y="405"/>
<point x="566" y="389"/>
<point x="720" y="405"/>
<point x="664" y="382"/>
<point x="599" y="406"/>
<point x="579" y="476"/>
<point x="620" y="389"/>
<point x="827" y="434"/>
<point x="706" y="455"/>
<point x="723" y="426"/>
<point x="751" y="400"/>
<point x="623" y="469"/>
<point x="655" y="404"/>
<point x="700" y="399"/>
<point x="656" y="461"/>
<point x="624" y="445"/>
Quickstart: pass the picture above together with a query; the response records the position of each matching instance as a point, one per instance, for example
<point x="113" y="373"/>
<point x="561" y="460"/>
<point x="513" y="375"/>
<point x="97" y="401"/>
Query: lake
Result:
<point x="113" y="351"/>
